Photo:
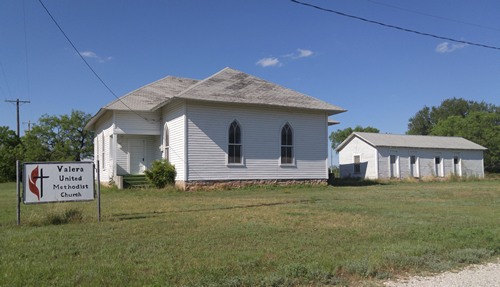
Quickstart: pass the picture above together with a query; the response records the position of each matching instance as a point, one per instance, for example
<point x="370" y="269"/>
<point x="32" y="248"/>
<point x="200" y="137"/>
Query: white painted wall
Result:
<point x="140" y="123"/>
<point x="470" y="162"/>
<point x="129" y="148"/>
<point x="378" y="164"/>
<point x="111" y="130"/>
<point x="368" y="158"/>
<point x="174" y="117"/>
<point x="207" y="129"/>
<point x="102" y="142"/>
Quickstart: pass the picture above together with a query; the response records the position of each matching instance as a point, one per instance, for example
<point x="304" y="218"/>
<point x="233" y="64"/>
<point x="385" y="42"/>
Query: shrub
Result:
<point x="161" y="173"/>
<point x="68" y="216"/>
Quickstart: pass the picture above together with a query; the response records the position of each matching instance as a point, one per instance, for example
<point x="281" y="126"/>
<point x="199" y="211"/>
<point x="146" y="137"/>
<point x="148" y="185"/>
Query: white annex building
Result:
<point x="379" y="156"/>
<point x="229" y="126"/>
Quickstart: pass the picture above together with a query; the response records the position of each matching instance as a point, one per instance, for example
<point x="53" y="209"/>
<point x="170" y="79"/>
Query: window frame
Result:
<point x="394" y="168"/>
<point x="237" y="144"/>
<point x="414" y="164"/>
<point x="290" y="135"/>
<point x="356" y="165"/>
<point x="439" y="165"/>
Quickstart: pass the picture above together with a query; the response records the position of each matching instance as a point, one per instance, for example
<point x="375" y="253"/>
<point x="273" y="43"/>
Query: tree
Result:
<point x="9" y="143"/>
<point x="425" y="119"/>
<point x="480" y="127"/>
<point x="339" y="136"/>
<point x="477" y="122"/>
<point x="33" y="149"/>
<point x="60" y="138"/>
<point x="421" y="123"/>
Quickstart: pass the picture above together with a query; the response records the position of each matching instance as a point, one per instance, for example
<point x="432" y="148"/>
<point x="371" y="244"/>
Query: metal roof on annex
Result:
<point x="412" y="141"/>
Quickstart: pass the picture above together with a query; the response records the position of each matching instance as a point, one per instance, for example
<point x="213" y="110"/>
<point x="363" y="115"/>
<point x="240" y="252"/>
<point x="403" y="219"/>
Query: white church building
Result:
<point x="230" y="126"/>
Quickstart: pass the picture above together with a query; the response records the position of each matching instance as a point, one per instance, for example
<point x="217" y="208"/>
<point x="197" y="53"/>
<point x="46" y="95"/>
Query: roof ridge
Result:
<point x="405" y="135"/>
<point x="133" y="91"/>
<point x="266" y="82"/>
<point x="413" y="141"/>
<point x="202" y="81"/>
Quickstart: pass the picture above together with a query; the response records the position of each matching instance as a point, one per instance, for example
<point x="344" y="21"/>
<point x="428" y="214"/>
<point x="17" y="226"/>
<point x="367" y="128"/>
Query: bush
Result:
<point x="161" y="173"/>
<point x="68" y="216"/>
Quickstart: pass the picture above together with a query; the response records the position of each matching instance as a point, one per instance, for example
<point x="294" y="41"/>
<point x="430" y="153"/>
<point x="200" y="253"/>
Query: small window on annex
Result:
<point x="287" y="144"/>
<point x="357" y="164"/>
<point x="413" y="159"/>
<point x="437" y="159"/>
<point x="234" y="143"/>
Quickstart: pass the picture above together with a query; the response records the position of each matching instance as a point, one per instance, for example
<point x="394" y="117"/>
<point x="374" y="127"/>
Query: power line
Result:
<point x="5" y="77"/>
<point x="395" y="27"/>
<point x="434" y="16"/>
<point x="26" y="49"/>
<point x="87" y="64"/>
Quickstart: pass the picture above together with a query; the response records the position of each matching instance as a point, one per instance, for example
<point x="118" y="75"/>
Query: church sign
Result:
<point x="58" y="181"/>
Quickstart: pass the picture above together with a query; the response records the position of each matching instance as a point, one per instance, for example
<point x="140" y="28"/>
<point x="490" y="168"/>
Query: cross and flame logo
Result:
<point x="33" y="178"/>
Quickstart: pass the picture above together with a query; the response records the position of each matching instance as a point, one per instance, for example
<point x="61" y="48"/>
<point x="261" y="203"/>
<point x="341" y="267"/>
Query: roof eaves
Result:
<point x="350" y="138"/>
<point x="136" y="90"/>
<point x="90" y="124"/>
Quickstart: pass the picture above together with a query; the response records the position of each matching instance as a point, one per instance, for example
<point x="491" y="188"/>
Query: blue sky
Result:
<point x="380" y="75"/>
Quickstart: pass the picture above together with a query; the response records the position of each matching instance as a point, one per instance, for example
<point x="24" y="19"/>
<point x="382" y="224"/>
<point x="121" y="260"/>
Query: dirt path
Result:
<point x="485" y="275"/>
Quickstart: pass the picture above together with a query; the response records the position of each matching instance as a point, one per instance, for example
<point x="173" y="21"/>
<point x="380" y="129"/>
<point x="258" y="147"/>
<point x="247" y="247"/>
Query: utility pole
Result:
<point x="17" y="101"/>
<point x="29" y="125"/>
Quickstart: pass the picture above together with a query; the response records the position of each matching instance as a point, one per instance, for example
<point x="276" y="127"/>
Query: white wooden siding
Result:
<point x="125" y="147"/>
<point x="173" y="116"/>
<point x="368" y="157"/>
<point x="122" y="167"/>
<point x="261" y="140"/>
<point x="148" y="123"/>
<point x="104" y="129"/>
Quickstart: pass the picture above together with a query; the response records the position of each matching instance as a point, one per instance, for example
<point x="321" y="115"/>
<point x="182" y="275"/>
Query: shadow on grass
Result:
<point x="143" y="215"/>
<point x="353" y="182"/>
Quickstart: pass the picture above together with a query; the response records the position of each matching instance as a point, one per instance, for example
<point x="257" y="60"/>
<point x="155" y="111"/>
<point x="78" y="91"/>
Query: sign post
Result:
<point x="98" y="194"/>
<point x="18" y="188"/>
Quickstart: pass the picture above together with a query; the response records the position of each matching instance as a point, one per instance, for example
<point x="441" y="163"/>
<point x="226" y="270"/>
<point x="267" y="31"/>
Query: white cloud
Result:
<point x="268" y="62"/>
<point x="447" y="47"/>
<point x="304" y="53"/>
<point x="299" y="53"/>
<point x="93" y="55"/>
<point x="88" y="54"/>
<point x="278" y="62"/>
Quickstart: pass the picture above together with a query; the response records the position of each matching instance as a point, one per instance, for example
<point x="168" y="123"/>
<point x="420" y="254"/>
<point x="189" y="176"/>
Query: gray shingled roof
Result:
<point x="232" y="86"/>
<point x="413" y="141"/>
<point x="226" y="86"/>
<point x="153" y="95"/>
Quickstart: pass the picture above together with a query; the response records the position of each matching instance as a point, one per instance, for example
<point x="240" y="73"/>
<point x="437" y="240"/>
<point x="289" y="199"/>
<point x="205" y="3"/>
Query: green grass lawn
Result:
<point x="259" y="236"/>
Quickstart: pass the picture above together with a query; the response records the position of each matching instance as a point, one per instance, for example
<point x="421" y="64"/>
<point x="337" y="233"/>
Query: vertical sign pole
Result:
<point x="18" y="187"/>
<point x="98" y="193"/>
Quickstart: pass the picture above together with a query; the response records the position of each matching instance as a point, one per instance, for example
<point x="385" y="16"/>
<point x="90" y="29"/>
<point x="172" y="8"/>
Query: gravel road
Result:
<point x="485" y="275"/>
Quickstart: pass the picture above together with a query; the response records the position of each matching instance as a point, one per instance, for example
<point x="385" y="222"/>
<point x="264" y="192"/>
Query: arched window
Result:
<point x="287" y="144"/>
<point x="234" y="143"/>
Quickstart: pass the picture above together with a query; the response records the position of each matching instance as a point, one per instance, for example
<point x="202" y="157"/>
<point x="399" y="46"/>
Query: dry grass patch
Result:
<point x="258" y="236"/>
